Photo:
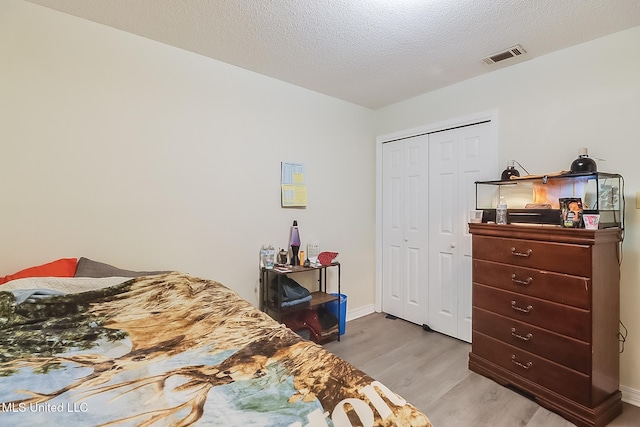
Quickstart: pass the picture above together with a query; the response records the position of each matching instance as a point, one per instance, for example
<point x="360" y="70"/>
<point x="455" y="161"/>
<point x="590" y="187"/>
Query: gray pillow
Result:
<point x="89" y="268"/>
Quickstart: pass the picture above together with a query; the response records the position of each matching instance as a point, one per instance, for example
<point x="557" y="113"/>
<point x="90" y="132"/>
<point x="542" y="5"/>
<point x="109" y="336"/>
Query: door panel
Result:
<point x="477" y="161"/>
<point x="405" y="231"/>
<point x="414" y="282"/>
<point x="392" y="234"/>
<point x="395" y="272"/>
<point x="415" y="231"/>
<point x="446" y="300"/>
<point x="458" y="158"/>
<point x="443" y="201"/>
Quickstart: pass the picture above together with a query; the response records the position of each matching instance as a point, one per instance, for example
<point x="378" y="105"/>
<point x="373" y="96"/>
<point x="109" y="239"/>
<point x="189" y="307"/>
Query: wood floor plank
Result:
<point x="475" y="401"/>
<point x="430" y="370"/>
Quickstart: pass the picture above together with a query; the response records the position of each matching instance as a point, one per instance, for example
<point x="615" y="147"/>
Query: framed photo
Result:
<point x="571" y="212"/>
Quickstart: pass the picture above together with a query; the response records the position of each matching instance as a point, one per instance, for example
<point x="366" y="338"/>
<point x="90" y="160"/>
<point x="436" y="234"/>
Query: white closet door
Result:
<point x="457" y="158"/>
<point x="405" y="232"/>
<point x="392" y="226"/>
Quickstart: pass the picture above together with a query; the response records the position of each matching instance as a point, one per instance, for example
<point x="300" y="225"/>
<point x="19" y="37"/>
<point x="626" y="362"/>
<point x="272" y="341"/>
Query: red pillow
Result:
<point x="64" y="267"/>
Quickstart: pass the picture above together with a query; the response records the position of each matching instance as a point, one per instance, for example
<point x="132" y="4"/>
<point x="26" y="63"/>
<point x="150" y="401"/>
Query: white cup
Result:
<point x="475" y="216"/>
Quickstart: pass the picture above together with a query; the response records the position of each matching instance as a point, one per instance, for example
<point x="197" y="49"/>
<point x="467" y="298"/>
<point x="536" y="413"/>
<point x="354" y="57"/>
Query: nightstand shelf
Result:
<point x="271" y="299"/>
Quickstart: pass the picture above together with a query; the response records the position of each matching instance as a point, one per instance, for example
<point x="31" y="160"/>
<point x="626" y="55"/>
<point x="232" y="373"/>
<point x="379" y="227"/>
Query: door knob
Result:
<point x="453" y="245"/>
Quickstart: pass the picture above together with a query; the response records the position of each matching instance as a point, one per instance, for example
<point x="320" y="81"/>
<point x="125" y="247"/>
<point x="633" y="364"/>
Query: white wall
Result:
<point x="145" y="156"/>
<point x="588" y="95"/>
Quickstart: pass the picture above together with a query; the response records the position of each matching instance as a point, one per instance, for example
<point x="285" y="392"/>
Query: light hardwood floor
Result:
<point x="430" y="371"/>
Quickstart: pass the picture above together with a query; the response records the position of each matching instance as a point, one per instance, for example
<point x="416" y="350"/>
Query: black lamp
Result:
<point x="512" y="171"/>
<point x="583" y="163"/>
<point x="509" y="171"/>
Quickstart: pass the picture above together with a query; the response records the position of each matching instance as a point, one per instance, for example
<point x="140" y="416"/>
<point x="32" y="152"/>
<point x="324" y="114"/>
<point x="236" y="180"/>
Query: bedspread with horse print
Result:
<point x="174" y="350"/>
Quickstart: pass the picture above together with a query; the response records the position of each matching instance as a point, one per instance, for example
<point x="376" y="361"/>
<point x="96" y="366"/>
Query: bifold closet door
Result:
<point x="405" y="228"/>
<point x="457" y="158"/>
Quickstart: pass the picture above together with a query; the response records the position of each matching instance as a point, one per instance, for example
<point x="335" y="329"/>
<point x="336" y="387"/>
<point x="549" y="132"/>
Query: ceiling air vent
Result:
<point x="516" y="50"/>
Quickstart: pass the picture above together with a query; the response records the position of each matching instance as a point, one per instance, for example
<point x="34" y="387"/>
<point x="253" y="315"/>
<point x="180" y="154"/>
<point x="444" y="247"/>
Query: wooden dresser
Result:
<point x="546" y="305"/>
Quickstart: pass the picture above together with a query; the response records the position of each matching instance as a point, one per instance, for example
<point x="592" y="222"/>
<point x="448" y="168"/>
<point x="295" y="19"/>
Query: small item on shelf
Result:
<point x="501" y="212"/>
<point x="326" y="258"/>
<point x="571" y="212"/>
<point x="475" y="216"/>
<point x="263" y="255"/>
<point x="315" y="325"/>
<point x="302" y="258"/>
<point x="313" y="249"/>
<point x="282" y="256"/>
<point x="294" y="242"/>
<point x="293" y="293"/>
<point x="267" y="257"/>
<point x="583" y="163"/>
<point x="591" y="221"/>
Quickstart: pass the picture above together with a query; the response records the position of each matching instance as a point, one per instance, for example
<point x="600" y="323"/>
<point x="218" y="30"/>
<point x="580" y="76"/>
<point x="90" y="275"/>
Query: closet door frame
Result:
<point x="480" y="117"/>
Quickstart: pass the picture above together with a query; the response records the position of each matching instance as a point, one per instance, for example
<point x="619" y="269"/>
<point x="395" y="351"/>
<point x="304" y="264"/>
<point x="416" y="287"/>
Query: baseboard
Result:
<point x="360" y="312"/>
<point x="630" y="395"/>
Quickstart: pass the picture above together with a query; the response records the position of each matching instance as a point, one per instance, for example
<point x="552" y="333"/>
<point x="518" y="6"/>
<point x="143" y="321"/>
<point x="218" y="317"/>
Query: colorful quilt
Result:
<point x="173" y="350"/>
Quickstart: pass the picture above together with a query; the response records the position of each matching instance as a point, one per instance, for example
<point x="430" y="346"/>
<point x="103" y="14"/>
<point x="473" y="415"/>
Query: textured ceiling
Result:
<point x="369" y="52"/>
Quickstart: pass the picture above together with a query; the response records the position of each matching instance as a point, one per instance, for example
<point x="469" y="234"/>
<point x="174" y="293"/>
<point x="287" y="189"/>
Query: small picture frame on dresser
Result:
<point x="571" y="212"/>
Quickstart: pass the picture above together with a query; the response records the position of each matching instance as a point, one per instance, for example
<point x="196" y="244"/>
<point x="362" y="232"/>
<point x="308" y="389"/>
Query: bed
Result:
<point x="170" y="349"/>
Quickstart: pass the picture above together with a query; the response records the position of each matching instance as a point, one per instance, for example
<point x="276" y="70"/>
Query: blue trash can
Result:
<point x="332" y="307"/>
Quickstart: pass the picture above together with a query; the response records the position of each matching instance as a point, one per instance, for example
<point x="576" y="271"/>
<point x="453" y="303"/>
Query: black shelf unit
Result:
<point x="318" y="298"/>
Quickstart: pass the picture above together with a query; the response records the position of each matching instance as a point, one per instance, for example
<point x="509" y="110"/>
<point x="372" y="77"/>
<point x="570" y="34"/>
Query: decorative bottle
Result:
<point x="294" y="242"/>
<point x="583" y="163"/>
<point x="501" y="212"/>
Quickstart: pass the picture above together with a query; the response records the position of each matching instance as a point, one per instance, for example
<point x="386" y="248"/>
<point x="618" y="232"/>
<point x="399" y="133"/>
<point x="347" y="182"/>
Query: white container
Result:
<point x="267" y="257"/>
<point x="591" y="222"/>
<point x="475" y="216"/>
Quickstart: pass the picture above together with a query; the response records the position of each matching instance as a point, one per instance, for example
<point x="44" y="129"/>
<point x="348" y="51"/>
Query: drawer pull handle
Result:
<point x="524" y="310"/>
<point x="522" y="337"/>
<point x="521" y="282"/>
<point x="522" y="365"/>
<point x="522" y="254"/>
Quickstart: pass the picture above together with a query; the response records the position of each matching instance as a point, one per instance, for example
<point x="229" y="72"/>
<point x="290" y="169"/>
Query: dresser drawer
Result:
<point x="566" y="351"/>
<point x="570" y="321"/>
<point x="559" y="257"/>
<point x="562" y="288"/>
<point x="567" y="382"/>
